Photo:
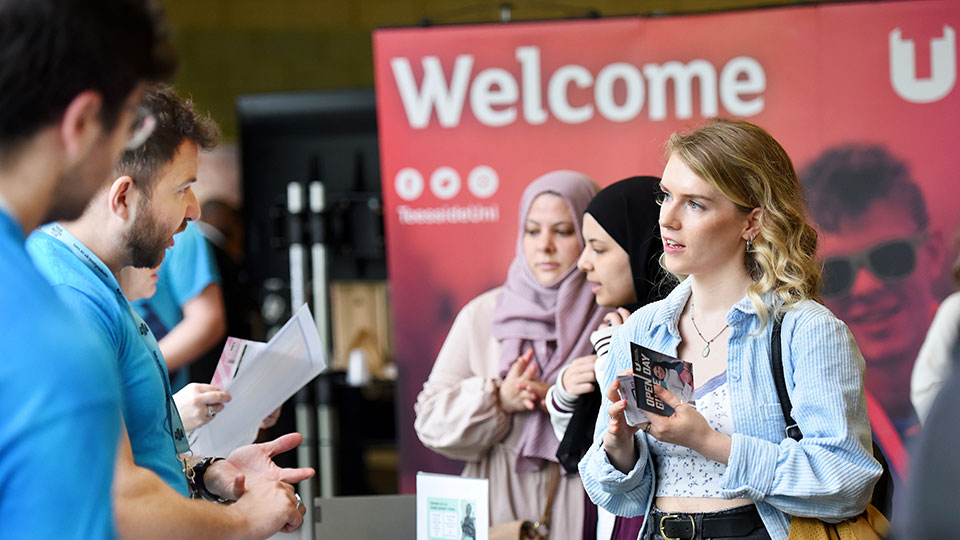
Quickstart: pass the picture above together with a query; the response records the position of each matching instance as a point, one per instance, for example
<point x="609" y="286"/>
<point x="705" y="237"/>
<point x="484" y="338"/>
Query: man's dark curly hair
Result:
<point x="846" y="181"/>
<point x="177" y="121"/>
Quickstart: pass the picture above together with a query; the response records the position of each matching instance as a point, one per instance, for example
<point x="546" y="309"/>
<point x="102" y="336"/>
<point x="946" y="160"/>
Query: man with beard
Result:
<point x="186" y="313"/>
<point x="880" y="259"/>
<point x="131" y="222"/>
<point x="71" y="80"/>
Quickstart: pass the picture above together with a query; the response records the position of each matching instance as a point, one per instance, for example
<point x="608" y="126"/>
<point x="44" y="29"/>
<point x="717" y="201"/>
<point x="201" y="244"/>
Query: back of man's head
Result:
<point x="52" y="50"/>
<point x="847" y="181"/>
<point x="177" y="121"/>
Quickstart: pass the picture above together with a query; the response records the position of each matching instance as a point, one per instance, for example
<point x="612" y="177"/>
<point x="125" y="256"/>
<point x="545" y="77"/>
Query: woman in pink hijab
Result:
<point x="483" y="400"/>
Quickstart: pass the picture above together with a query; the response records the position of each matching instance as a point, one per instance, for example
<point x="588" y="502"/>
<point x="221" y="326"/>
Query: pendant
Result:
<point x="706" y="351"/>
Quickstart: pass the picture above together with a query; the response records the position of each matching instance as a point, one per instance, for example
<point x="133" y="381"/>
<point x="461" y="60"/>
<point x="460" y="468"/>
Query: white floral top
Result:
<point x="682" y="472"/>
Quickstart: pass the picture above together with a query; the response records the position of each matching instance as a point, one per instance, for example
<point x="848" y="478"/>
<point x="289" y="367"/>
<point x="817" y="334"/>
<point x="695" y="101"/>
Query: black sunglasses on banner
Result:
<point x="887" y="261"/>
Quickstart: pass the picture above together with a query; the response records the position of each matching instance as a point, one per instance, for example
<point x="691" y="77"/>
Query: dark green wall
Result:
<point x="233" y="47"/>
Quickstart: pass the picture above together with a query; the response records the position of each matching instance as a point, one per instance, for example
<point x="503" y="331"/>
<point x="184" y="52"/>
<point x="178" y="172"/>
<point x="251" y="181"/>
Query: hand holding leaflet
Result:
<point x="651" y="369"/>
<point x="634" y="415"/>
<point x="260" y="377"/>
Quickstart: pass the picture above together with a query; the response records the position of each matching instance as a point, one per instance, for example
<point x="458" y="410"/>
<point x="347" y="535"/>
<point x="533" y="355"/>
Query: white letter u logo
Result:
<point x="903" y="68"/>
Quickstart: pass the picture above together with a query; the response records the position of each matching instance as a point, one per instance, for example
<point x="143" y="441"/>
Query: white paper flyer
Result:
<point x="259" y="377"/>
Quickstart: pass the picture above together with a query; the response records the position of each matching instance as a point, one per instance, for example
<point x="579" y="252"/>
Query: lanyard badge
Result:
<point x="174" y="423"/>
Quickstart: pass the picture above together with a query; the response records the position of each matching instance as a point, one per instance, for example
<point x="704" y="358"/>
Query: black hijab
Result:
<point x="629" y="212"/>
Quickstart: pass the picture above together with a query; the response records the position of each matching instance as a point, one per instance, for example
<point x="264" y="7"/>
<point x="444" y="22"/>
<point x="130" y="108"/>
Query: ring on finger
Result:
<point x="211" y="412"/>
<point x="299" y="501"/>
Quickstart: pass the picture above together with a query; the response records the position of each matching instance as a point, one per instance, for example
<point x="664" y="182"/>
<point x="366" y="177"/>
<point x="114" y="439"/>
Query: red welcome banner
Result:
<point x="469" y="115"/>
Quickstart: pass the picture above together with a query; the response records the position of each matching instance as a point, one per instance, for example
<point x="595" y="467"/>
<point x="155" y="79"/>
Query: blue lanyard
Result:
<point x="174" y="423"/>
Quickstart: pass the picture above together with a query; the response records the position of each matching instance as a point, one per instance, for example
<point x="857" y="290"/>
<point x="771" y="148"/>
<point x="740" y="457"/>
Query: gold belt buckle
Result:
<point x="693" y="526"/>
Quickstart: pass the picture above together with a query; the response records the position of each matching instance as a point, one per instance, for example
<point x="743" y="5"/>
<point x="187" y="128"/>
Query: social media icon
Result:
<point x="408" y="183"/>
<point x="483" y="182"/>
<point x="445" y="183"/>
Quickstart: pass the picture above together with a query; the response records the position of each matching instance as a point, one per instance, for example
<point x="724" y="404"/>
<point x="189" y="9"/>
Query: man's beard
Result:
<point x="146" y="241"/>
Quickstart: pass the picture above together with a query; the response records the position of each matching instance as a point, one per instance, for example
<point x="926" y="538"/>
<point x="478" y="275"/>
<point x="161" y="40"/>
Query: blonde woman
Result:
<point x="733" y="230"/>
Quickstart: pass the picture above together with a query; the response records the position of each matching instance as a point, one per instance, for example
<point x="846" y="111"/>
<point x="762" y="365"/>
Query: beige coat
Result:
<point x="458" y="416"/>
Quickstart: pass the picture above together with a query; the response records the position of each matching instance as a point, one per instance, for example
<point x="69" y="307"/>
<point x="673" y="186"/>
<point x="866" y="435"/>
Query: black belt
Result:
<point x="679" y="526"/>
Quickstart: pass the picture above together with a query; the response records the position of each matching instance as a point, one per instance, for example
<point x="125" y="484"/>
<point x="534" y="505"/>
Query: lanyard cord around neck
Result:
<point x="174" y="423"/>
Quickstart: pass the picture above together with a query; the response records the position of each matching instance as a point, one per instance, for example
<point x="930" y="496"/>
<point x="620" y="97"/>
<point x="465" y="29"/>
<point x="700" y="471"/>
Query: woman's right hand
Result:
<point x="618" y="439"/>
<point x="615" y="318"/>
<point x="579" y="377"/>
<point x="520" y="390"/>
<point x="196" y="401"/>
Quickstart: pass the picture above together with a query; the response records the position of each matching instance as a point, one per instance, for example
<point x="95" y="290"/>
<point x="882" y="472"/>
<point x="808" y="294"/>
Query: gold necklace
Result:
<point x="706" y="348"/>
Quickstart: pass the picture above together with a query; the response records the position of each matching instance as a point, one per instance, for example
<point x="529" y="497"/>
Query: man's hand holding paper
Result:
<point x="260" y="378"/>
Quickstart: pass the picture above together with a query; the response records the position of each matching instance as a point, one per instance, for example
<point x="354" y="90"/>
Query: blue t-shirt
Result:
<point x="60" y="400"/>
<point x="187" y="269"/>
<point x="144" y="398"/>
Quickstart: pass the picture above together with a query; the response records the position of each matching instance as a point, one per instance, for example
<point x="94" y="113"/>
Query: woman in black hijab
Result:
<point x="621" y="255"/>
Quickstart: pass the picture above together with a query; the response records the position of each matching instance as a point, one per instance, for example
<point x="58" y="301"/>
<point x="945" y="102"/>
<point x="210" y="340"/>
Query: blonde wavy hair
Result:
<point x="750" y="167"/>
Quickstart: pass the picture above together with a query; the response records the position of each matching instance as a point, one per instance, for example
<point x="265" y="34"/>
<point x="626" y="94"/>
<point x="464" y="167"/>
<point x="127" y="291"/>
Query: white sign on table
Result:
<point x="452" y="507"/>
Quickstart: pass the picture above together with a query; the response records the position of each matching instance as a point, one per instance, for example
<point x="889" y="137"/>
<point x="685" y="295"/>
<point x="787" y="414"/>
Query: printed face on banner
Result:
<point x="881" y="255"/>
<point x="878" y="271"/>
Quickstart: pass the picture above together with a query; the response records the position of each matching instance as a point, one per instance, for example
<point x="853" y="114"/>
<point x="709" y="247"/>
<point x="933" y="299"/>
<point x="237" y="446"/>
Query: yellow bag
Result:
<point x="870" y="525"/>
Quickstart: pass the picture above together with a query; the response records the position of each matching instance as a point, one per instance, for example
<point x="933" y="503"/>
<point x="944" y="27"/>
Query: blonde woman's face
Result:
<point x="550" y="242"/>
<point x="703" y="231"/>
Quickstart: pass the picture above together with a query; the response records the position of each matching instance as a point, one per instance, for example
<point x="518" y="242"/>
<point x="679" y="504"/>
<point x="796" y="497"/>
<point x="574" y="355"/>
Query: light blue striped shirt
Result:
<point x="829" y="474"/>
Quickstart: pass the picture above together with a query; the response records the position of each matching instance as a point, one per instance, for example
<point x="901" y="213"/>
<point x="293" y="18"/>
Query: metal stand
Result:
<point x="326" y="436"/>
<point x="305" y="457"/>
<point x="298" y="294"/>
<point x="325" y="417"/>
<point x="295" y="233"/>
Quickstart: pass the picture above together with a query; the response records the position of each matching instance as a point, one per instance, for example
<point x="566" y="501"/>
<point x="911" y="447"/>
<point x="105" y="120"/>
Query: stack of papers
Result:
<point x="259" y="377"/>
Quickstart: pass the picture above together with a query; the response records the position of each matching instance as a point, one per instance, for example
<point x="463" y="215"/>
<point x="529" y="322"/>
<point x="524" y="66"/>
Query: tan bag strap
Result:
<point x="551" y="496"/>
